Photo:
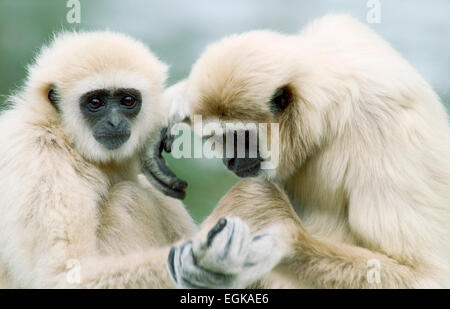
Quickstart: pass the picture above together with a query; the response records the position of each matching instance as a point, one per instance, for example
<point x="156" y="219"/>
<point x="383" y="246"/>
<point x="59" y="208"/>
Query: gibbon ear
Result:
<point x="281" y="99"/>
<point x="53" y="96"/>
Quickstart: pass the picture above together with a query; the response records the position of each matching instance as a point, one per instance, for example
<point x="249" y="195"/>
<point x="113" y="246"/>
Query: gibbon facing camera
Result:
<point x="75" y="211"/>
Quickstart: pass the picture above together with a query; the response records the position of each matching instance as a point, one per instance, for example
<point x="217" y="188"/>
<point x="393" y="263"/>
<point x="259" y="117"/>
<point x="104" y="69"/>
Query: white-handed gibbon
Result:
<point x="364" y="154"/>
<point x="74" y="209"/>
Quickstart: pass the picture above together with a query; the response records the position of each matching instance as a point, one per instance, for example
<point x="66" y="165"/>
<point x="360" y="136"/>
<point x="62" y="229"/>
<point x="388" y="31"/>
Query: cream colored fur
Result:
<point x="62" y="196"/>
<point x="71" y="209"/>
<point x="364" y="153"/>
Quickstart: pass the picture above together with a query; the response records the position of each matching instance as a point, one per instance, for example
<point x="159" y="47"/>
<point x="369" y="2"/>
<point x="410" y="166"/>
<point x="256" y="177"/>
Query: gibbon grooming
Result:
<point x="364" y="154"/>
<point x="70" y="189"/>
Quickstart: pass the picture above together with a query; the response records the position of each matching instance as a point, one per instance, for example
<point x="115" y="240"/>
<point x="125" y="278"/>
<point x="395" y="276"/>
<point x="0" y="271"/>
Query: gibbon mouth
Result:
<point x="250" y="170"/>
<point x="112" y="141"/>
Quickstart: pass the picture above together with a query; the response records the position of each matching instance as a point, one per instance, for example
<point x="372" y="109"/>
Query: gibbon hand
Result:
<point x="153" y="164"/>
<point x="228" y="257"/>
<point x="155" y="168"/>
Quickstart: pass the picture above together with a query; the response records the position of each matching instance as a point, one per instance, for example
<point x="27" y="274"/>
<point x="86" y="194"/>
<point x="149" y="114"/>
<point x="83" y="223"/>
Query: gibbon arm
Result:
<point x="318" y="263"/>
<point x="328" y="265"/>
<point x="62" y="225"/>
<point x="49" y="221"/>
<point x="139" y="270"/>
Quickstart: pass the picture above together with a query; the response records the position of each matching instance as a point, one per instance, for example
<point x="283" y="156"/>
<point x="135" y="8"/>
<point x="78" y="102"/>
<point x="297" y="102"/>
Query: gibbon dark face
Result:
<point x="246" y="166"/>
<point x="109" y="114"/>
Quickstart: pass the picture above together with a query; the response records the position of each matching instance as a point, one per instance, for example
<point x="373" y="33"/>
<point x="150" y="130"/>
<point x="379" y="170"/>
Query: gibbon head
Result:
<point x="103" y="88"/>
<point x="258" y="77"/>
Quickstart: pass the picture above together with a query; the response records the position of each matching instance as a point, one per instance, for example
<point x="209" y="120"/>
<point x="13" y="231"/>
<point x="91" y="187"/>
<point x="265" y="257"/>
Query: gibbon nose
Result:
<point x="114" y="121"/>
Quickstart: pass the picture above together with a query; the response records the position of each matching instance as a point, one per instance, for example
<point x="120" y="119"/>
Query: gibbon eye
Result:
<point x="53" y="97"/>
<point x="128" y="101"/>
<point x="281" y="99"/>
<point x="95" y="103"/>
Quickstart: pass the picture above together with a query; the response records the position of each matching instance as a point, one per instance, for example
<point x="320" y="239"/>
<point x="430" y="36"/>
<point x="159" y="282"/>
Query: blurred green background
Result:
<point x="178" y="31"/>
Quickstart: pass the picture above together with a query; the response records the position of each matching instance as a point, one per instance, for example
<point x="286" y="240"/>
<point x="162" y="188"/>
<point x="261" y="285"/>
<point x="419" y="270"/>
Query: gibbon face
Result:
<point x="109" y="113"/>
<point x="105" y="88"/>
<point x="251" y="78"/>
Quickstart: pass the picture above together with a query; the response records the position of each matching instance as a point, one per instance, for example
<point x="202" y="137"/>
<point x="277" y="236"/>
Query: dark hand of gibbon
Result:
<point x="155" y="168"/>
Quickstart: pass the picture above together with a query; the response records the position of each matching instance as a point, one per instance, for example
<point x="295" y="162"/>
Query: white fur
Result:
<point x="77" y="69"/>
<point x="365" y="148"/>
<point x="175" y="96"/>
<point x="65" y="200"/>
